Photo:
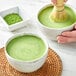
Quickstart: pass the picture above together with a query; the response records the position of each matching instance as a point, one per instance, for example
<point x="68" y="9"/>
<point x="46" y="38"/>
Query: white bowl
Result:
<point x="27" y="66"/>
<point x="52" y="33"/>
<point x="15" y="9"/>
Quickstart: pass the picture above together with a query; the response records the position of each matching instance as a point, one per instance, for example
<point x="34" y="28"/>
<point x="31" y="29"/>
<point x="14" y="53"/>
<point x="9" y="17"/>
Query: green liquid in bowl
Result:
<point x="44" y="18"/>
<point x="26" y="48"/>
<point x="12" y="18"/>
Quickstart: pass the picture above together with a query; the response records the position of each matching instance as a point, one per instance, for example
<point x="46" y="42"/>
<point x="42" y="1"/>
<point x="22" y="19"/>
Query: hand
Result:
<point x="55" y="1"/>
<point x="68" y="36"/>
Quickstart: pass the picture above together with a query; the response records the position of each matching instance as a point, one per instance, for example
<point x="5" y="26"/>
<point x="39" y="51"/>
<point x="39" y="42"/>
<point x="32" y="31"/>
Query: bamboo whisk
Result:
<point x="59" y="14"/>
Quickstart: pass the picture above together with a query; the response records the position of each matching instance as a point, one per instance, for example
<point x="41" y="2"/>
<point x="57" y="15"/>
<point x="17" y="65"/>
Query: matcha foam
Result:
<point x="26" y="48"/>
<point x="44" y="18"/>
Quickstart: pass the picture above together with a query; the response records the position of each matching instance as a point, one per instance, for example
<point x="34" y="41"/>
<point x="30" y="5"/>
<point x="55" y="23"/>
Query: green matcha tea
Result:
<point x="44" y="18"/>
<point x="12" y="18"/>
<point x="26" y="47"/>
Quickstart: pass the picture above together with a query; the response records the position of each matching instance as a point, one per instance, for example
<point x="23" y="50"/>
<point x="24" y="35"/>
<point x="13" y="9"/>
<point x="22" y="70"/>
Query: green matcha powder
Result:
<point x="12" y="18"/>
<point x="26" y="48"/>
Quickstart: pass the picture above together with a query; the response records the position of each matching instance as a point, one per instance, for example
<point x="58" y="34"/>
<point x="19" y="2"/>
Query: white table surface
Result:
<point x="66" y="52"/>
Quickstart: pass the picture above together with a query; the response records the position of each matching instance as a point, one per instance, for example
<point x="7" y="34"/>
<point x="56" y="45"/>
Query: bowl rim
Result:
<point x="71" y="26"/>
<point x="22" y="34"/>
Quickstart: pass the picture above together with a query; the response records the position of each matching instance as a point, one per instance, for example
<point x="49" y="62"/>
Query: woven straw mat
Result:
<point x="52" y="66"/>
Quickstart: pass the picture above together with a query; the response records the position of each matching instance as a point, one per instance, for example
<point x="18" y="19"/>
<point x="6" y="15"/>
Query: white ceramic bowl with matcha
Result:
<point x="26" y="52"/>
<point x="13" y="18"/>
<point x="52" y="29"/>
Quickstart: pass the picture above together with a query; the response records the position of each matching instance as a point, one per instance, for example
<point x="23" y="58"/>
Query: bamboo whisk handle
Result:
<point x="59" y="5"/>
<point x="60" y="2"/>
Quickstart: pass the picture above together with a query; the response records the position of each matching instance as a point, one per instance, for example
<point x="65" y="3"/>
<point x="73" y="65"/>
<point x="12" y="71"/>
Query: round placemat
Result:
<point x="52" y="66"/>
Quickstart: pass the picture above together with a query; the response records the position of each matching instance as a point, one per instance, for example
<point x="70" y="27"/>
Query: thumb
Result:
<point x="75" y="26"/>
<point x="65" y="0"/>
<point x="54" y="1"/>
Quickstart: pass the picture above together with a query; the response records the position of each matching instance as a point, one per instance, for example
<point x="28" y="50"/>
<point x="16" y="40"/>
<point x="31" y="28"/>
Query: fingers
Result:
<point x="65" y="0"/>
<point x="62" y="39"/>
<point x="75" y="26"/>
<point x="68" y="36"/>
<point x="69" y="33"/>
<point x="54" y="1"/>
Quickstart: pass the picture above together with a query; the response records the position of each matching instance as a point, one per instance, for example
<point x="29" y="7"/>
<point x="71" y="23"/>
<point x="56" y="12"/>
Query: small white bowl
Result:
<point x="27" y="66"/>
<point x="17" y="25"/>
<point x="52" y="33"/>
